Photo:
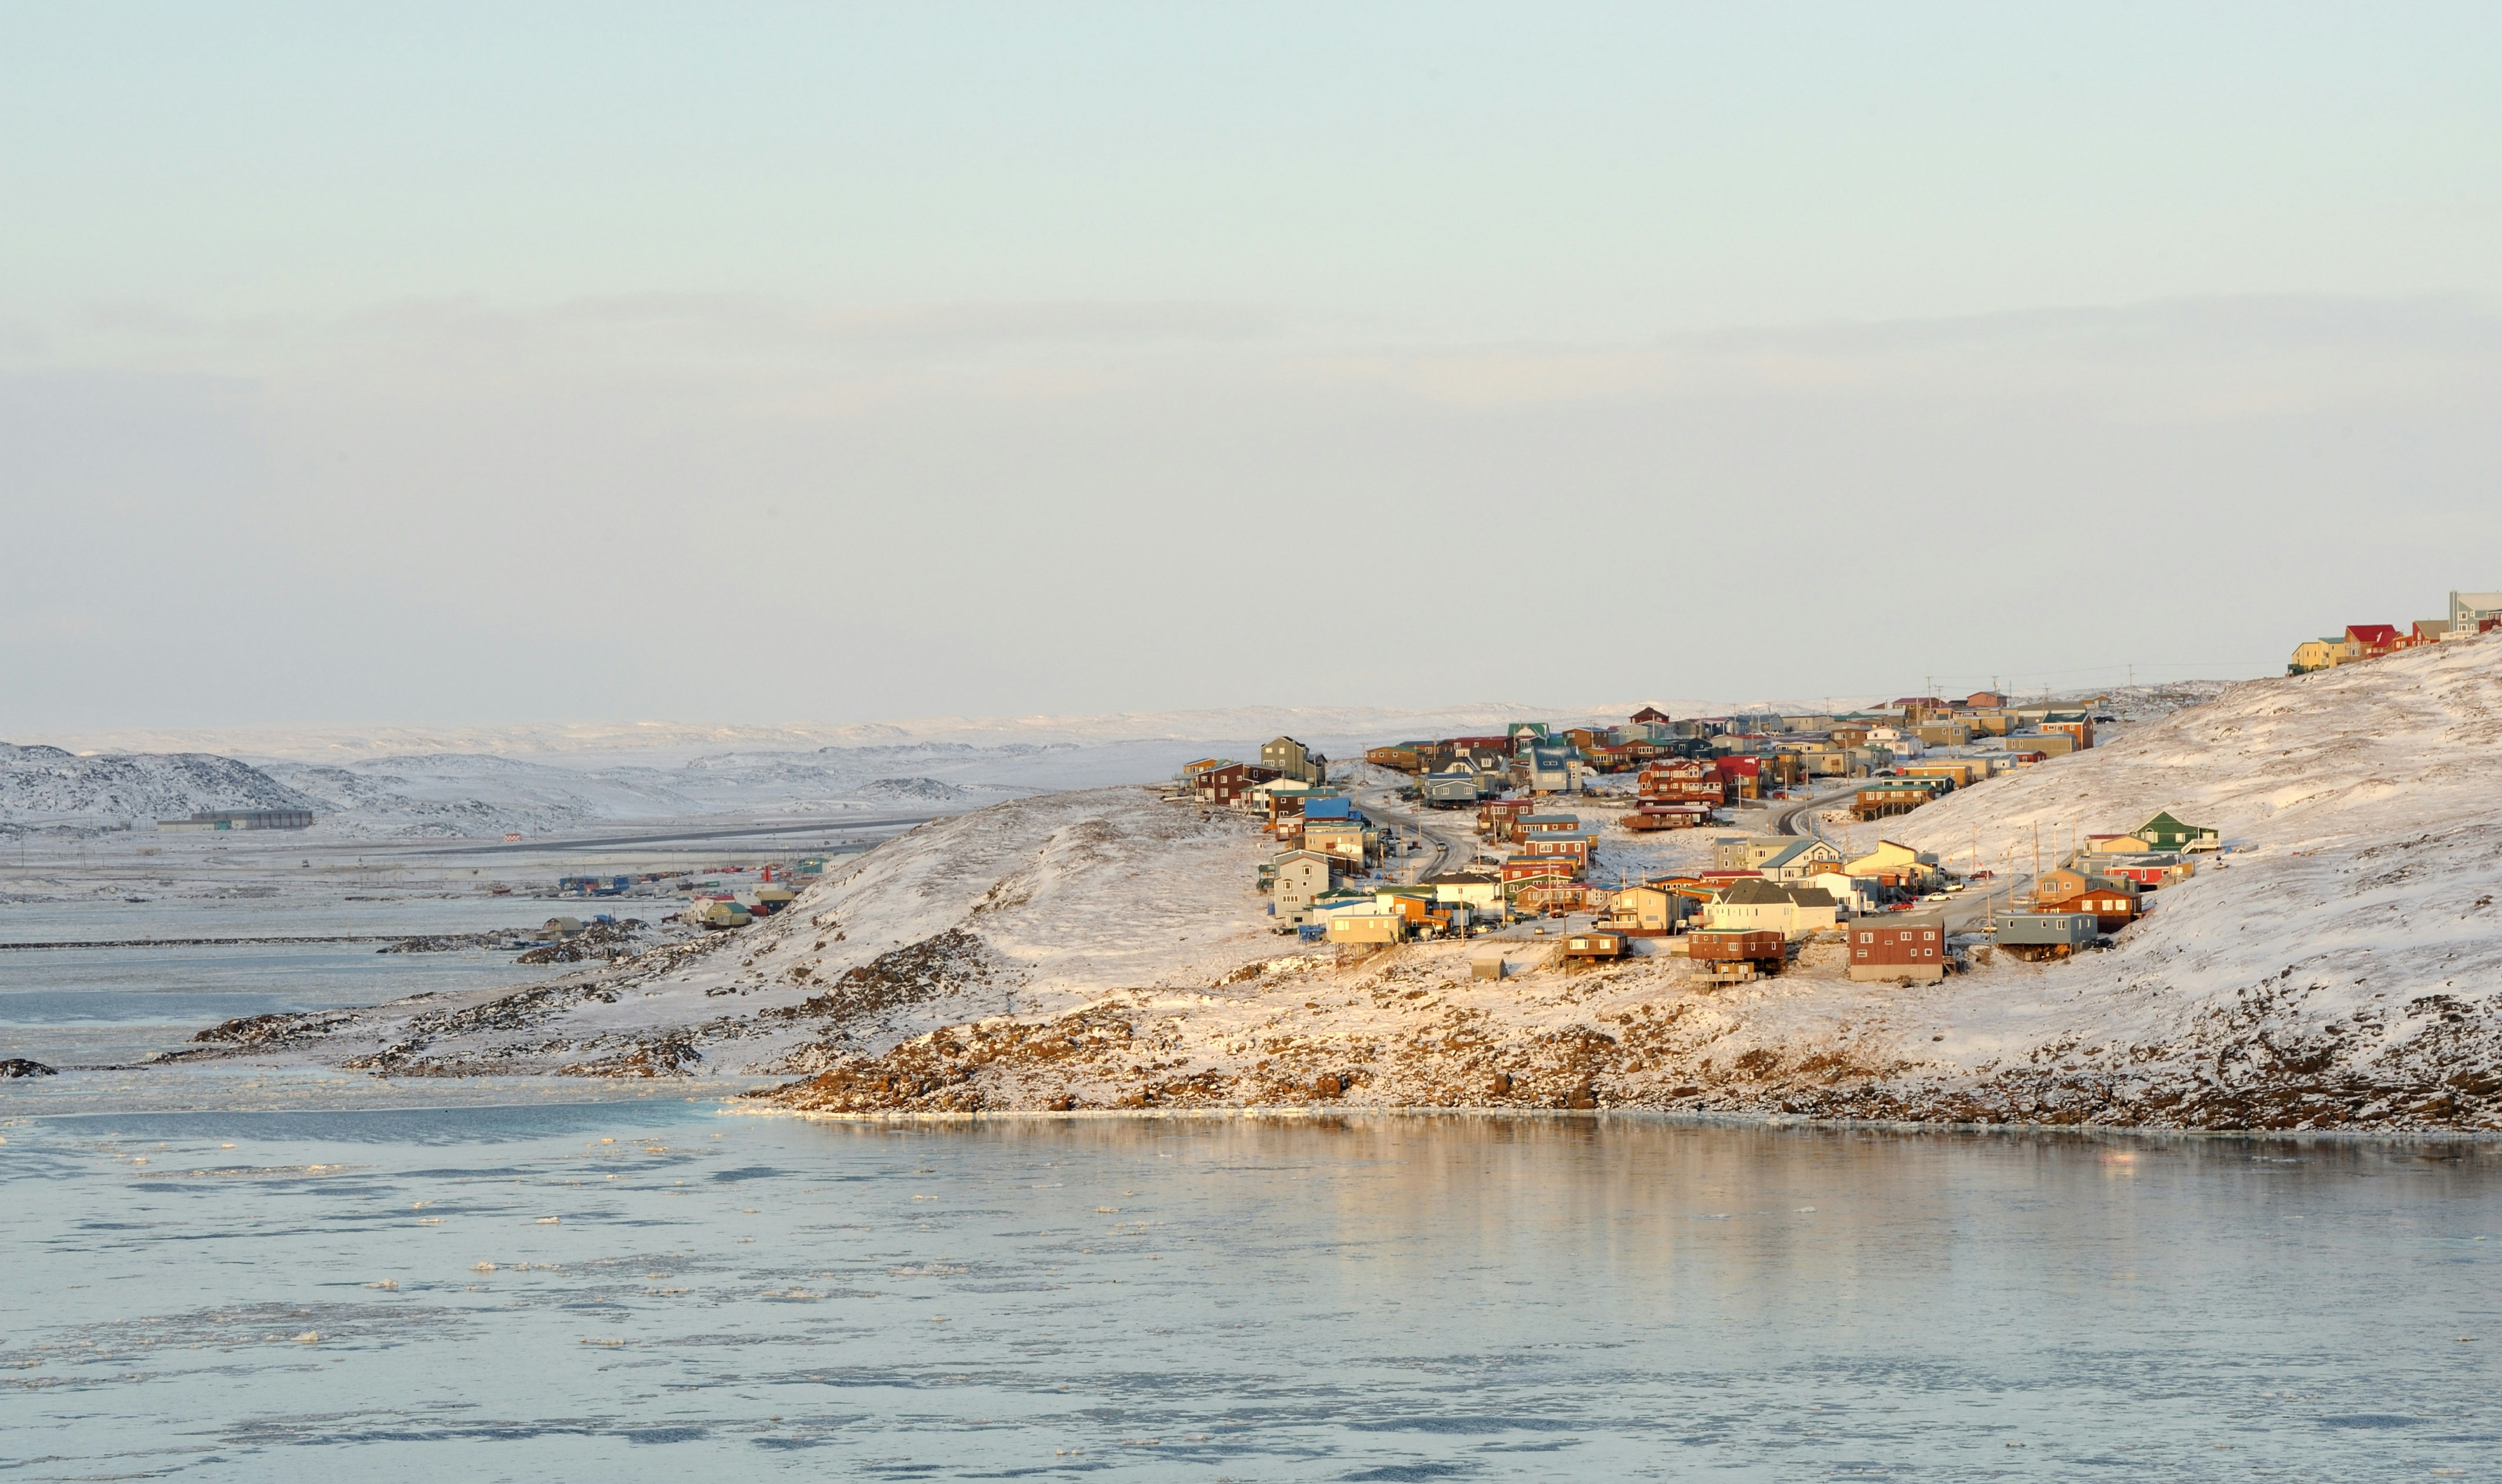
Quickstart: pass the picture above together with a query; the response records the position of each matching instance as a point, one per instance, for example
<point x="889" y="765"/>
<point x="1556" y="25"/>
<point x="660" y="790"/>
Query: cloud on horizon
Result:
<point x="445" y="511"/>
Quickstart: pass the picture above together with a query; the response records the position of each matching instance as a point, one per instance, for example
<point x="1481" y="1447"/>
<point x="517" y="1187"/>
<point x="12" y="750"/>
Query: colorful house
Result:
<point x="2317" y="655"/>
<point x="2165" y="832"/>
<point x="1910" y="947"/>
<point x="2370" y="641"/>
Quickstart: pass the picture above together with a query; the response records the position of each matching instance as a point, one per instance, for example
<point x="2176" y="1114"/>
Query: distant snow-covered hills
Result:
<point x="43" y="785"/>
<point x="1333" y="728"/>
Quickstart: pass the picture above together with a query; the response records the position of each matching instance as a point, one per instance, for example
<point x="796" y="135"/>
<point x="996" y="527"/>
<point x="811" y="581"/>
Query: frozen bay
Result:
<point x="318" y="1283"/>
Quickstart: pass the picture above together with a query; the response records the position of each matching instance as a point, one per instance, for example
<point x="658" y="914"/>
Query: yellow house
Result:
<point x="2317" y="655"/>
<point x="2117" y="845"/>
<point x="1342" y="838"/>
<point x="1367" y="927"/>
<point x="1895" y="865"/>
<point x="1646" y="910"/>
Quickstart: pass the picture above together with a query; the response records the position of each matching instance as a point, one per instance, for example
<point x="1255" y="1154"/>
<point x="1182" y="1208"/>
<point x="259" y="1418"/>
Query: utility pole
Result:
<point x="2036" y="852"/>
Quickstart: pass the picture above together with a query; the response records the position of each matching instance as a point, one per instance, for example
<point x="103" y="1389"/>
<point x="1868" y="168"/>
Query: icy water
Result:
<point x="87" y="1007"/>
<point x="547" y="1288"/>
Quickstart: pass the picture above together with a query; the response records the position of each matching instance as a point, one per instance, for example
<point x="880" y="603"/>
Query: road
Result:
<point x="1379" y="800"/>
<point x="537" y="845"/>
<point x="1785" y="819"/>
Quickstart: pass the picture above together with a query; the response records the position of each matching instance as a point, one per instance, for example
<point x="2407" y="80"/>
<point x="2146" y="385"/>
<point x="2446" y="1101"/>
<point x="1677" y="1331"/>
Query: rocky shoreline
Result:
<point x="1123" y="1055"/>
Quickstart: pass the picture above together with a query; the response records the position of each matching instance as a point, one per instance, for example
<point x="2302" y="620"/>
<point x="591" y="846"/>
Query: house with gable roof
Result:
<point x="2163" y="833"/>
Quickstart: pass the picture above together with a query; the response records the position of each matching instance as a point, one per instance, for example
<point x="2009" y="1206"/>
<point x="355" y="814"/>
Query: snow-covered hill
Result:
<point x="1099" y="949"/>
<point x="2350" y="942"/>
<point x="45" y="785"/>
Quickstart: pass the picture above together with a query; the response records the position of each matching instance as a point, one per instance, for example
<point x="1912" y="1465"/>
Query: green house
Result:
<point x="2164" y="832"/>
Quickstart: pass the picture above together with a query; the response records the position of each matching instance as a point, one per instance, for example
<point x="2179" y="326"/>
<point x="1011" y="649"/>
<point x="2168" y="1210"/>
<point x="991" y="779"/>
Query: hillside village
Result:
<point x="2470" y="614"/>
<point x="2265" y="909"/>
<point x="1347" y="878"/>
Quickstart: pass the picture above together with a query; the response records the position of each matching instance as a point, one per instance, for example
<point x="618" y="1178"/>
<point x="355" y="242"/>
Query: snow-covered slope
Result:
<point x="43" y="785"/>
<point x="1099" y="949"/>
<point x="2350" y="940"/>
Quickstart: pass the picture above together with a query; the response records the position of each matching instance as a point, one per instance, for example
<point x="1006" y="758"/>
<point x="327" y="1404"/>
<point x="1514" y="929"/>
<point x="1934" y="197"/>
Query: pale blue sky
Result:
<point x="1013" y="357"/>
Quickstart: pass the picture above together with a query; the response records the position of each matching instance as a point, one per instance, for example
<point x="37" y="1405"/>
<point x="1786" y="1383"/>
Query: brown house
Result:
<point x="2112" y="903"/>
<point x="1718" y="946"/>
<point x="1592" y="946"/>
<point x="1231" y="783"/>
<point x="1913" y="946"/>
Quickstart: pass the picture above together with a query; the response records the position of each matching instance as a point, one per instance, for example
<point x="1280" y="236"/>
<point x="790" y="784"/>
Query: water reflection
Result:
<point x="1238" y="1299"/>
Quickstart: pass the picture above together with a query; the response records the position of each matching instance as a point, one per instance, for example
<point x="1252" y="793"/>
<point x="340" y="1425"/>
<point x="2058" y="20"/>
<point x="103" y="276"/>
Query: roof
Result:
<point x="1329" y="809"/>
<point x="1811" y="896"/>
<point x="1462" y="879"/>
<point x="1790" y="852"/>
<point x="1756" y="892"/>
<point x="2372" y="633"/>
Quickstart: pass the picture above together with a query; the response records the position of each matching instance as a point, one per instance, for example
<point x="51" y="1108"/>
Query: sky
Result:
<point x="455" y="364"/>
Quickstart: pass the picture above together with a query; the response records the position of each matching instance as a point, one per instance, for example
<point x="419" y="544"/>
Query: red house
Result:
<point x="1575" y="848"/>
<point x="1684" y="783"/>
<point x="1744" y="775"/>
<point x="1231" y="783"/>
<point x="1914" y="947"/>
<point x="2113" y="907"/>
<point x="1548" y="870"/>
<point x="2370" y="641"/>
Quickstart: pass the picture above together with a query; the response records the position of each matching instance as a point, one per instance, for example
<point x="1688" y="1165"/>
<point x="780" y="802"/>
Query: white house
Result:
<point x="1300" y="878"/>
<point x="1850" y="893"/>
<point x="1481" y="891"/>
<point x="1796" y="860"/>
<point x="1756" y="905"/>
